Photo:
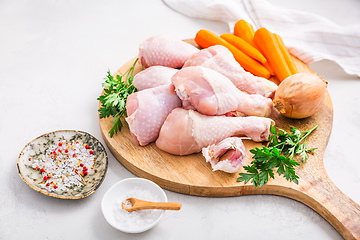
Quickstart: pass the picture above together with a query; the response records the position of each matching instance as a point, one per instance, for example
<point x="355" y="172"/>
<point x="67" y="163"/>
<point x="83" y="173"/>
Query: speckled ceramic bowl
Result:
<point x="37" y="147"/>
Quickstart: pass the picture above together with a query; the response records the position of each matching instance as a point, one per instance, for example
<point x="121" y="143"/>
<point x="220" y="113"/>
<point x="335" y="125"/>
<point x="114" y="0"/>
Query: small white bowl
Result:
<point x="118" y="193"/>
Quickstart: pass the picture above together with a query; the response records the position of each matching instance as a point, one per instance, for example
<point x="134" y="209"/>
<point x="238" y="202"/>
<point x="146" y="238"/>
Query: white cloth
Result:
<point x="307" y="36"/>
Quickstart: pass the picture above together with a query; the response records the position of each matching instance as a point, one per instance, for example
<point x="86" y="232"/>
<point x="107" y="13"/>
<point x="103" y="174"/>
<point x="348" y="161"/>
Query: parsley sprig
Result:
<point x="277" y="156"/>
<point x="113" y="99"/>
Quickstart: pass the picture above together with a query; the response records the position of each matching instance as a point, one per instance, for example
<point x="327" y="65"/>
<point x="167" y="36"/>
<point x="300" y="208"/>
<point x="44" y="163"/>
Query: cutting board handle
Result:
<point x="331" y="203"/>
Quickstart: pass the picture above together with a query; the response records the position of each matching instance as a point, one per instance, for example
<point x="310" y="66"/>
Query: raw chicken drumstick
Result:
<point x="220" y="59"/>
<point x="147" y="111"/>
<point x="211" y="93"/>
<point x="164" y="50"/>
<point x="153" y="76"/>
<point x="186" y="131"/>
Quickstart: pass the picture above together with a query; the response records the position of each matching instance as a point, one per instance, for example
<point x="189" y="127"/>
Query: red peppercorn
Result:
<point x="48" y="184"/>
<point x="87" y="147"/>
<point x="42" y="170"/>
<point x="81" y="165"/>
<point x="95" y="170"/>
<point x="66" y="151"/>
<point x="60" y="144"/>
<point x="46" y="177"/>
<point x="85" y="168"/>
<point x="74" y="155"/>
<point x="29" y="159"/>
<point x="55" y="186"/>
<point x="85" y="173"/>
<point x="91" y="152"/>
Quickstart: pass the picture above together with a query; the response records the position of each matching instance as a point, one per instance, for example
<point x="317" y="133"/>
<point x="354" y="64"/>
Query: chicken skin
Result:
<point x="164" y="50"/>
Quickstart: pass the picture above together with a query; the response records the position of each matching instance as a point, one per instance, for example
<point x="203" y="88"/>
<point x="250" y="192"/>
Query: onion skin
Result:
<point x="300" y="95"/>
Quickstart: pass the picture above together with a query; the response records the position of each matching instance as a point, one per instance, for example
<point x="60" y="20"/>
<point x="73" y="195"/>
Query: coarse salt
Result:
<point x="137" y="219"/>
<point x="127" y="204"/>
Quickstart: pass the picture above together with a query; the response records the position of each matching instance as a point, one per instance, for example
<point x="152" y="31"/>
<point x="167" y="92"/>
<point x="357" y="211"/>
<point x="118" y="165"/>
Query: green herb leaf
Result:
<point x="113" y="99"/>
<point x="279" y="153"/>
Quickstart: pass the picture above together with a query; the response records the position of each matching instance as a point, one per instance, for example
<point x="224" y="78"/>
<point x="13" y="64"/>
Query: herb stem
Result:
<point x="307" y="133"/>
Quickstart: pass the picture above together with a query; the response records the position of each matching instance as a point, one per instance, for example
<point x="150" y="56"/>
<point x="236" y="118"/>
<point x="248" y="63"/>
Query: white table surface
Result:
<point x="53" y="58"/>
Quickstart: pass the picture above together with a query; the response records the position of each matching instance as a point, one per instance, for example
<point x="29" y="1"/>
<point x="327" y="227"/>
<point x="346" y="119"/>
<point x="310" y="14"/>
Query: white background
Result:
<point x="53" y="58"/>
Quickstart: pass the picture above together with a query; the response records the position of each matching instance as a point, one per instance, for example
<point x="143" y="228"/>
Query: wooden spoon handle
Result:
<point x="160" y="205"/>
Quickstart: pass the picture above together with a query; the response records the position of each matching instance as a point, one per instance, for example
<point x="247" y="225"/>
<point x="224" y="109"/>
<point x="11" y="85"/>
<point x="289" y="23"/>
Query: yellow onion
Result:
<point x="300" y="95"/>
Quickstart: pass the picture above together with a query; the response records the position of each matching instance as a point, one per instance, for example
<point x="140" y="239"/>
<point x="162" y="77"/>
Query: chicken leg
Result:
<point x="147" y="111"/>
<point x="186" y="131"/>
<point x="153" y="76"/>
<point x="211" y="93"/>
<point x="164" y="50"/>
<point x="220" y="59"/>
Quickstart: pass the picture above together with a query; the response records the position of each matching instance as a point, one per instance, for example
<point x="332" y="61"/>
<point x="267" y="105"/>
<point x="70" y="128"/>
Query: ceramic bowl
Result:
<point x="36" y="149"/>
<point x="118" y="193"/>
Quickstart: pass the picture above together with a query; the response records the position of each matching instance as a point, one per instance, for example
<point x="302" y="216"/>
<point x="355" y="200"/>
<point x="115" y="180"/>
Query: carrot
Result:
<point x="205" y="39"/>
<point x="286" y="54"/>
<point x="267" y="45"/>
<point x="245" y="31"/>
<point x="268" y="67"/>
<point x="243" y="46"/>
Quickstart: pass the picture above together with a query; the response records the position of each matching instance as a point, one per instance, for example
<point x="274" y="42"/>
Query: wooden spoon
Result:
<point x="138" y="204"/>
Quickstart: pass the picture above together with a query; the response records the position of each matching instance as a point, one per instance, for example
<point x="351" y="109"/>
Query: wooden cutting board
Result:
<point x="192" y="175"/>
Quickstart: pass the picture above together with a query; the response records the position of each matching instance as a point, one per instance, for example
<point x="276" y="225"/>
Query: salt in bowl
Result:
<point x="138" y="221"/>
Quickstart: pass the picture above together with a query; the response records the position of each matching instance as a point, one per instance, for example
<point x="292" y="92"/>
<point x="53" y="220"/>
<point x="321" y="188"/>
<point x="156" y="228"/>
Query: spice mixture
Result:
<point x="64" y="165"/>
